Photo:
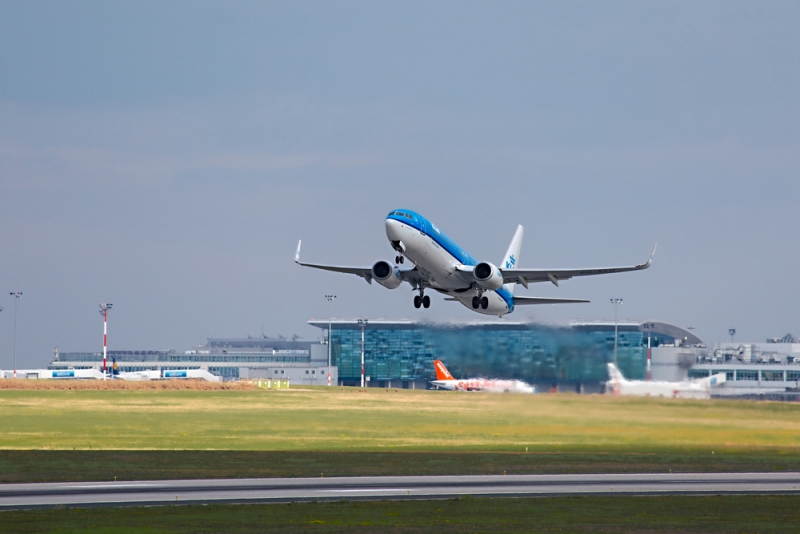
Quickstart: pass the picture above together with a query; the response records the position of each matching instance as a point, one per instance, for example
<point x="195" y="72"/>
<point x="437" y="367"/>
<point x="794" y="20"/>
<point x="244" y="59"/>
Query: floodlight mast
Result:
<point x="615" y="302"/>
<point x="330" y="332"/>
<point x="104" y="307"/>
<point x="731" y="332"/>
<point x="363" y="324"/>
<point x="649" y="327"/>
<point x="17" y="295"/>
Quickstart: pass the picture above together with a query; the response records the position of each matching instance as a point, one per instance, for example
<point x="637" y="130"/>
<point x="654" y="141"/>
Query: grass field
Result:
<point x="346" y="419"/>
<point x="729" y="514"/>
<point x="140" y="434"/>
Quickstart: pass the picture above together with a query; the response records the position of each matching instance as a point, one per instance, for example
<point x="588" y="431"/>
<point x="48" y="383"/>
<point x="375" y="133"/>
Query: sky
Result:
<point x="167" y="157"/>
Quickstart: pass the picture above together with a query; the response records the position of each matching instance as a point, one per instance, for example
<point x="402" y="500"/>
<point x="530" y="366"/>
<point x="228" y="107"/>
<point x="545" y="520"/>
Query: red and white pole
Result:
<point x="362" y="354"/>
<point x="363" y="323"/>
<point x="104" y="310"/>
<point x="105" y="339"/>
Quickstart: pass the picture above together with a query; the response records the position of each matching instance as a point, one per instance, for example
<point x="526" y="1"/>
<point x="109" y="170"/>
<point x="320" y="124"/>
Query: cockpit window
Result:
<point x="401" y="214"/>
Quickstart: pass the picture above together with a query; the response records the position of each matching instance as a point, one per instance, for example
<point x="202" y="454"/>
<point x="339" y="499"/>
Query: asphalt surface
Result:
<point x="163" y="492"/>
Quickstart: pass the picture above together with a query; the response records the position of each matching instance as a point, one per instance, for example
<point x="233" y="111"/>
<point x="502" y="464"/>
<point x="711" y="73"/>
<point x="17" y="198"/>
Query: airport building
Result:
<point x="770" y="368"/>
<point x="400" y="354"/>
<point x="573" y="358"/>
<point x="300" y="361"/>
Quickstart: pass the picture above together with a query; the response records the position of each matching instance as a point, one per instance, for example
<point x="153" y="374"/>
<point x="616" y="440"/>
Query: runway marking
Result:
<point x="118" y="486"/>
<point x="373" y="489"/>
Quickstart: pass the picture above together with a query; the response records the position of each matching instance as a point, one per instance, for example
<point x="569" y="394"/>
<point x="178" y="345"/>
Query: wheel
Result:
<point x="397" y="259"/>
<point x="417" y="301"/>
<point x="426" y="301"/>
<point x="485" y="302"/>
<point x="476" y="301"/>
<point x="402" y="259"/>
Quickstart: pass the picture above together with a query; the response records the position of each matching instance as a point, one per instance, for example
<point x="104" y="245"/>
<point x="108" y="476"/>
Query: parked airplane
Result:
<point x="445" y="380"/>
<point x="443" y="266"/>
<point x="688" y="389"/>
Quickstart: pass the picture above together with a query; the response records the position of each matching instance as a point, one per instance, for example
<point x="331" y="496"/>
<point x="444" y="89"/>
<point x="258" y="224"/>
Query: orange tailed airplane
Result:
<point x="444" y="380"/>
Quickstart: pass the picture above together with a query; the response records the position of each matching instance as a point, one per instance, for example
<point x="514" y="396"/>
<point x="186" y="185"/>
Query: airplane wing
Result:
<point x="519" y="301"/>
<point x="527" y="276"/>
<point x="410" y="275"/>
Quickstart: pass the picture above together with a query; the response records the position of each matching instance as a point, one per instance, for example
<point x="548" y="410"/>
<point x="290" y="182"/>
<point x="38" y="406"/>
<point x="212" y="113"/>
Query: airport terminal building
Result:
<point x="400" y="353"/>
<point x="298" y="360"/>
<point x="571" y="358"/>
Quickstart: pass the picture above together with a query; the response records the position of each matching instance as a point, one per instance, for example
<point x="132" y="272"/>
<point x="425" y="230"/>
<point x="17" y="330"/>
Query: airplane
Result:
<point x="445" y="380"/>
<point x="441" y="265"/>
<point x="687" y="389"/>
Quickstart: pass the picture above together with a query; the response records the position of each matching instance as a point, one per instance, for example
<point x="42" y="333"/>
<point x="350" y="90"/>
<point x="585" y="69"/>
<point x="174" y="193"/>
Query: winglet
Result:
<point x="650" y="259"/>
<point x="297" y="254"/>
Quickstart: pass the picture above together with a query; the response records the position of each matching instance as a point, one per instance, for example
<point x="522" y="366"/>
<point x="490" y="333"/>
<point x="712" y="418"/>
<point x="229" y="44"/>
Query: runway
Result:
<point x="162" y="492"/>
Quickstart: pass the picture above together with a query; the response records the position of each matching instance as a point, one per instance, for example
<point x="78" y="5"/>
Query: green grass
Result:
<point x="346" y="419"/>
<point x="719" y="514"/>
<point x="142" y="434"/>
<point x="65" y="466"/>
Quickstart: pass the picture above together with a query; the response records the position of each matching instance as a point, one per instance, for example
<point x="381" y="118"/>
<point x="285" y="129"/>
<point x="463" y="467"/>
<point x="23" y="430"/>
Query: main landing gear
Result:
<point x="422" y="300"/>
<point x="483" y="302"/>
<point x="399" y="259"/>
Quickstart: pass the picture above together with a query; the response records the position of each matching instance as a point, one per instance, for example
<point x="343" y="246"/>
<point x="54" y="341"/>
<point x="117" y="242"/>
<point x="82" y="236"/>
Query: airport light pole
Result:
<point x="330" y="332"/>
<point x="615" y="302"/>
<point x="17" y="295"/>
<point x="104" y="307"/>
<point x="731" y="332"/>
<point x="363" y="324"/>
<point x="649" y="328"/>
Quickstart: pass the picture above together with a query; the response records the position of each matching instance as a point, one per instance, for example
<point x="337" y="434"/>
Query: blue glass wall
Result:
<point x="533" y="353"/>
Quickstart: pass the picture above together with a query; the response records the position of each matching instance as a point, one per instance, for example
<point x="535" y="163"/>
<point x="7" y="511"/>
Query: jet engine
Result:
<point x="488" y="276"/>
<point x="386" y="274"/>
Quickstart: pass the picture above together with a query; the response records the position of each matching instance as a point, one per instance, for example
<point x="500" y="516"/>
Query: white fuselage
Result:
<point x="440" y="267"/>
<point x="483" y="384"/>
<point x="688" y="389"/>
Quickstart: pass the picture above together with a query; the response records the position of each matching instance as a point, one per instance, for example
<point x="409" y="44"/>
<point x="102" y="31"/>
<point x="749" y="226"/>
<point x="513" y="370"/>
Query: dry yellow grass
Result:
<point x="377" y="419"/>
<point x="176" y="384"/>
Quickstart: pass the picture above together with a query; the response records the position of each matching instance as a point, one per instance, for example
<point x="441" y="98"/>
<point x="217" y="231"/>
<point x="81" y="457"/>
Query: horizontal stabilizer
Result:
<point x="521" y="301"/>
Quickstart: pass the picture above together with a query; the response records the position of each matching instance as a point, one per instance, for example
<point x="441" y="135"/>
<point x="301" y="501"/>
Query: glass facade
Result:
<point x="531" y="352"/>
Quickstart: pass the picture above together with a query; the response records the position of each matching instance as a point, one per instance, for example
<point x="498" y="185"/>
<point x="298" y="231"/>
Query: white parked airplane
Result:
<point x="445" y="380"/>
<point x="445" y="267"/>
<point x="688" y="389"/>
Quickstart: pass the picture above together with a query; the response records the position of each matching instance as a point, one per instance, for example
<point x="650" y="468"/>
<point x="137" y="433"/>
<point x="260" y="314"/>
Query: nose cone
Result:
<point x="393" y="229"/>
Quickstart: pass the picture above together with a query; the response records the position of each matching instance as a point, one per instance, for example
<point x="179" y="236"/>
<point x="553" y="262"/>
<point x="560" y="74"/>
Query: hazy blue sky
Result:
<point x="167" y="156"/>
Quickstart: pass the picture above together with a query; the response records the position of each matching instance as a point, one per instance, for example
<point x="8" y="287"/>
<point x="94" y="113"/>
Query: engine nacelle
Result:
<point x="386" y="274"/>
<point x="488" y="276"/>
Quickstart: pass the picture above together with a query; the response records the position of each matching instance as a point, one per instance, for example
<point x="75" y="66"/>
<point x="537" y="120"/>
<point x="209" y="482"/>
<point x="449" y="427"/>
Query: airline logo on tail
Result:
<point x="441" y="371"/>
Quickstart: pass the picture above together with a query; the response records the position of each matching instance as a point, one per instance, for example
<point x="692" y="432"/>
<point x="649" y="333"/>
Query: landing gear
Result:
<point x="480" y="302"/>
<point x="399" y="259"/>
<point x="422" y="300"/>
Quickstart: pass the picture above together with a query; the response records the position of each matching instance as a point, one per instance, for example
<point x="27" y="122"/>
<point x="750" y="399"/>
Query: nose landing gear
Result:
<point x="399" y="259"/>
